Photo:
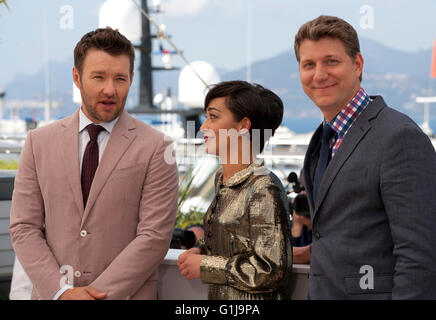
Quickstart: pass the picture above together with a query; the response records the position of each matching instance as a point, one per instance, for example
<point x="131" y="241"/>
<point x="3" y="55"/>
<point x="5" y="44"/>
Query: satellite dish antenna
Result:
<point x="192" y="90"/>
<point x="122" y="15"/>
<point x="158" y="98"/>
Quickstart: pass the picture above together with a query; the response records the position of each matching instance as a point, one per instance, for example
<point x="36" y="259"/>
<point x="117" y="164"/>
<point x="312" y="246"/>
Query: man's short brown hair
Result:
<point x="328" y="27"/>
<point x="107" y="39"/>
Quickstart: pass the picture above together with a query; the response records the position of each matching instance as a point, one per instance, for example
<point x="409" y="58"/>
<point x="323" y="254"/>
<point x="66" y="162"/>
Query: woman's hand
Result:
<point x="189" y="263"/>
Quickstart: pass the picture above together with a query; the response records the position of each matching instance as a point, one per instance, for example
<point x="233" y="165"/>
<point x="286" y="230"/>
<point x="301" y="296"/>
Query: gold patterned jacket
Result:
<point x="247" y="244"/>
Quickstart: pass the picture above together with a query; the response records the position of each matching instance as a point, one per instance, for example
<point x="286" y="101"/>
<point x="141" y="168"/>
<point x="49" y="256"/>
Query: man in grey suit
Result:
<point x="370" y="175"/>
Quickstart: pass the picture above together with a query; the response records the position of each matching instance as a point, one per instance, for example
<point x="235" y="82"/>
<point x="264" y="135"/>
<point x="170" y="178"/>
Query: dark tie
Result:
<point x="90" y="160"/>
<point x="324" y="158"/>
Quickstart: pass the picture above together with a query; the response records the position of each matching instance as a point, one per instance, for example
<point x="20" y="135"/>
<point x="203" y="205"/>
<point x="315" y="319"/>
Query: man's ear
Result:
<point x="76" y="78"/>
<point x="131" y="77"/>
<point x="358" y="63"/>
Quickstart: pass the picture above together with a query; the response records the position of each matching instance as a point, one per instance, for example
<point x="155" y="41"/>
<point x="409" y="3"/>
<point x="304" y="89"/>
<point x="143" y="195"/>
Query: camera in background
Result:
<point x="300" y="204"/>
<point x="182" y="239"/>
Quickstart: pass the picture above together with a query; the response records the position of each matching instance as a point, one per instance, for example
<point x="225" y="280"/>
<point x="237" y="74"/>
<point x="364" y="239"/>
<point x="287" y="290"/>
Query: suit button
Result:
<point x="83" y="233"/>
<point x="317" y="235"/>
<point x="209" y="235"/>
<point x="209" y="247"/>
<point x="77" y="274"/>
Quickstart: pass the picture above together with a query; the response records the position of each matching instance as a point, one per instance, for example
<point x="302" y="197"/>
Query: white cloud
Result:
<point x="183" y="7"/>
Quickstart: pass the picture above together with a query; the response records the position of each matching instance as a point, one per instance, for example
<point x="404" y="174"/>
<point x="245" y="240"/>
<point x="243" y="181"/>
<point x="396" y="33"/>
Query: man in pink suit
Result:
<point x="93" y="207"/>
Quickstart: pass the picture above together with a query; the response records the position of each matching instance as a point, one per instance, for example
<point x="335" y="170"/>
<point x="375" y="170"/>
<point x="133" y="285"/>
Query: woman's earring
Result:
<point x="243" y="132"/>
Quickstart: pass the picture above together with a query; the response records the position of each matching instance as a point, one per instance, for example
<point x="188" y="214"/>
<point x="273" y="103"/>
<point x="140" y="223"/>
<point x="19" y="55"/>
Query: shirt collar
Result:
<point x="84" y="121"/>
<point x="347" y="116"/>
<point x="255" y="167"/>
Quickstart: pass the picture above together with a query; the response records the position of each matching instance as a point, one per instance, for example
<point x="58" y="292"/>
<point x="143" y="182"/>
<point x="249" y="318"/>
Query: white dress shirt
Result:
<point x="102" y="138"/>
<point x="21" y="286"/>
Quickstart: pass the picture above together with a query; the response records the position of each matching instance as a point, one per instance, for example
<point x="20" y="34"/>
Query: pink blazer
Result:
<point x="116" y="243"/>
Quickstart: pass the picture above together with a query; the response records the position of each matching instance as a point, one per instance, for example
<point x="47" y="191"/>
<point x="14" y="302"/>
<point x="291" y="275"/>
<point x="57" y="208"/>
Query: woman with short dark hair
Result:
<point x="246" y="253"/>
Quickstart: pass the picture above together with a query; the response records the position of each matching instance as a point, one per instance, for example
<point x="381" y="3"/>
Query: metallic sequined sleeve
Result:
<point x="200" y="244"/>
<point x="262" y="256"/>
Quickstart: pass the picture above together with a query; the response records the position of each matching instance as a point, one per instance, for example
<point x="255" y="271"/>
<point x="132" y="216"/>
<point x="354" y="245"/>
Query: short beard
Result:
<point x="93" y="111"/>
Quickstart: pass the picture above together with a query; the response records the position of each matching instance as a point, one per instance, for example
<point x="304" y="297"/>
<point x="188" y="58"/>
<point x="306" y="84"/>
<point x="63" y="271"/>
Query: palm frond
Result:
<point x="193" y="216"/>
<point x="5" y="3"/>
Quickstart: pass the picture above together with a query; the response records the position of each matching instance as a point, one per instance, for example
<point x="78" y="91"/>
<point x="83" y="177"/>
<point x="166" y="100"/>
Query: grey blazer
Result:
<point x="374" y="222"/>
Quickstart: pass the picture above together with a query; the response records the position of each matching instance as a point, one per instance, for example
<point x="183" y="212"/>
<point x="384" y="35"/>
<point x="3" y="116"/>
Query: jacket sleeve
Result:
<point x="408" y="187"/>
<point x="27" y="227"/>
<point x="157" y="213"/>
<point x="268" y="258"/>
<point x="200" y="245"/>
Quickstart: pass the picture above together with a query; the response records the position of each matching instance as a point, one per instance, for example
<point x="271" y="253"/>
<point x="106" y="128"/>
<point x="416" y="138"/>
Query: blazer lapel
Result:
<point x="120" y="139"/>
<point x="352" y="139"/>
<point x="310" y="163"/>
<point x="68" y="144"/>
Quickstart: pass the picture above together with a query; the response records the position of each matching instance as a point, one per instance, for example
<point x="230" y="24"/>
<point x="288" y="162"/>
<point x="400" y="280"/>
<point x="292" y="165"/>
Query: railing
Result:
<point x="172" y="285"/>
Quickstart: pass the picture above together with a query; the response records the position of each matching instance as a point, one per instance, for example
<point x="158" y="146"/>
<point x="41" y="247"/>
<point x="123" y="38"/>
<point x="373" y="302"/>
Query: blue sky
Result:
<point x="215" y="31"/>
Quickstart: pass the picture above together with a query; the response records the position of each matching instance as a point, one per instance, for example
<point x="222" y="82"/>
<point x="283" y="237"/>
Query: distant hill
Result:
<point x="397" y="75"/>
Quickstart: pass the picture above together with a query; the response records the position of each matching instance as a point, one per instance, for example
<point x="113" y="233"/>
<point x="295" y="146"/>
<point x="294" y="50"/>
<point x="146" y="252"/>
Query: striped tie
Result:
<point x="90" y="160"/>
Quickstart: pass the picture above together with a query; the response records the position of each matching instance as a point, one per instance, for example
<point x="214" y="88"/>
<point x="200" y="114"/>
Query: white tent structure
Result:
<point x="192" y="90"/>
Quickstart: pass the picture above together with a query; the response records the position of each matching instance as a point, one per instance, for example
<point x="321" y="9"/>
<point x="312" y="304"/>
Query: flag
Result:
<point x="433" y="63"/>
